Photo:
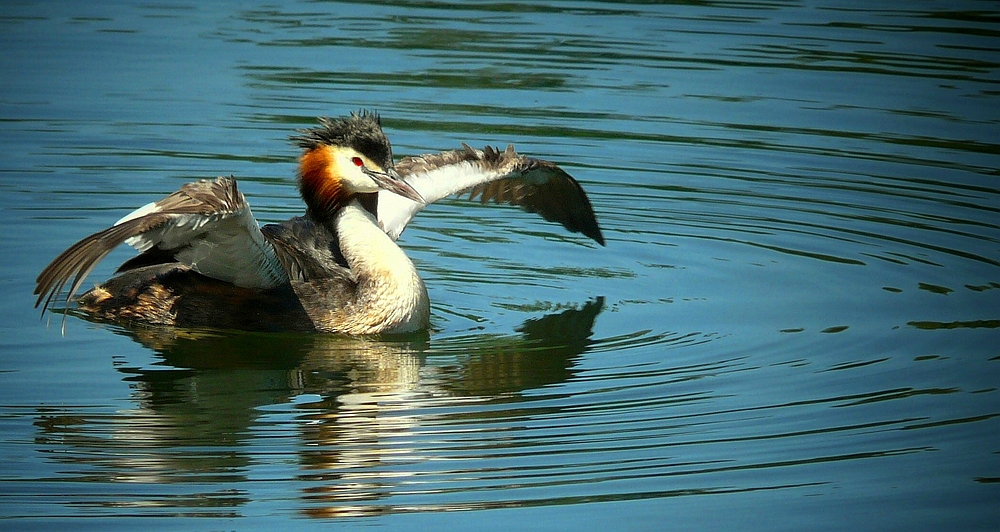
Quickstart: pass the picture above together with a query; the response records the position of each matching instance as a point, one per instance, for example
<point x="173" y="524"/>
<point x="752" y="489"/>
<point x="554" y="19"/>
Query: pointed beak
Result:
<point x="391" y="181"/>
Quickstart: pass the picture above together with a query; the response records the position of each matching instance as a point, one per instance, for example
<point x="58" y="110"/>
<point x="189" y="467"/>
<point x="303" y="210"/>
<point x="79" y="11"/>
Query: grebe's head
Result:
<point x="344" y="157"/>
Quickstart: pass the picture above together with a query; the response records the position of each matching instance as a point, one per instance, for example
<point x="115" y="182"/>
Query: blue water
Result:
<point x="794" y="324"/>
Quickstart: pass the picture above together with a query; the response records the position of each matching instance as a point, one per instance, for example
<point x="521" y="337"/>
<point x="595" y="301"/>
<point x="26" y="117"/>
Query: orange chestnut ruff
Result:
<point x="317" y="182"/>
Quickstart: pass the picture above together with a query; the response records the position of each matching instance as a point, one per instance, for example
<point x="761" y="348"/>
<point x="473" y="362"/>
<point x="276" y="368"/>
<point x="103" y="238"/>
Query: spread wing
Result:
<point x="206" y="225"/>
<point x="490" y="175"/>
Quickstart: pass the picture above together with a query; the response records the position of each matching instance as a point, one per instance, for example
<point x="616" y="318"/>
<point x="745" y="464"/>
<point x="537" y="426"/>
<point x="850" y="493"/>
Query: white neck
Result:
<point x="391" y="297"/>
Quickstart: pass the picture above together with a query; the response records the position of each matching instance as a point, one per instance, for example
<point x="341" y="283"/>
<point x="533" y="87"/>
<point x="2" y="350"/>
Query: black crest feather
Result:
<point x="361" y="130"/>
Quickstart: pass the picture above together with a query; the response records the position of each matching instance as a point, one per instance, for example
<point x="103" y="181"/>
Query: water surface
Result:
<point x="794" y="323"/>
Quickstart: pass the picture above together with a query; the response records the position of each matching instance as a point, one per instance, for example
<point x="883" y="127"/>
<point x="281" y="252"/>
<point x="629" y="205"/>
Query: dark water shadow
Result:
<point x="202" y="413"/>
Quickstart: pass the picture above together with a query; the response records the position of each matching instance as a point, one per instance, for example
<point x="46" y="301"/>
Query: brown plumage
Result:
<point x="205" y="261"/>
<point x="203" y="198"/>
<point x="533" y="184"/>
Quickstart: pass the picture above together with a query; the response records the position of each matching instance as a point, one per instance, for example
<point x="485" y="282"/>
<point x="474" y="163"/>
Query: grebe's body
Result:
<point x="206" y="262"/>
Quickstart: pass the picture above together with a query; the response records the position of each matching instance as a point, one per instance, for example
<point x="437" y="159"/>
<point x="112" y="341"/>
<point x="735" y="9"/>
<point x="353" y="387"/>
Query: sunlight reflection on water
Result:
<point x="795" y="317"/>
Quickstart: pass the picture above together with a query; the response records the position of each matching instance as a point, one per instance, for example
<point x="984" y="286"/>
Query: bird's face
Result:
<point x="334" y="173"/>
<point x="359" y="173"/>
<point x="345" y="157"/>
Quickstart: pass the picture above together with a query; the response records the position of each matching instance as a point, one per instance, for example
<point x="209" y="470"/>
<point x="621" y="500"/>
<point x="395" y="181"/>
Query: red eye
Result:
<point x="357" y="161"/>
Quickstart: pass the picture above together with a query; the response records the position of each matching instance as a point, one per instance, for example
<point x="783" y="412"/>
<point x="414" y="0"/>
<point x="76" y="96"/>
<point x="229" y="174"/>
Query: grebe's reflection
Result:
<point x="350" y="409"/>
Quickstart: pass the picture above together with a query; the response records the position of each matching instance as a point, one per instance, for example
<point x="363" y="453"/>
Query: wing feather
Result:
<point x="307" y="250"/>
<point x="206" y="225"/>
<point x="494" y="176"/>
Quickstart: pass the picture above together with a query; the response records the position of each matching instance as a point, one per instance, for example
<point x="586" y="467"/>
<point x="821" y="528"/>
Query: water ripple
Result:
<point x="794" y="321"/>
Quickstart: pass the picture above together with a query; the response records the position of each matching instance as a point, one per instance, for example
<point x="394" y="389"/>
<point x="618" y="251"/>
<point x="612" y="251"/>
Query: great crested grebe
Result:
<point x="205" y="261"/>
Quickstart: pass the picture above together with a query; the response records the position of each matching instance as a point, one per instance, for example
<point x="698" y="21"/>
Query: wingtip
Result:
<point x="594" y="233"/>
